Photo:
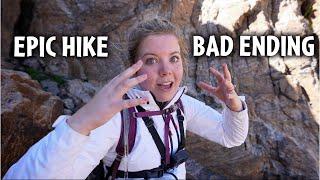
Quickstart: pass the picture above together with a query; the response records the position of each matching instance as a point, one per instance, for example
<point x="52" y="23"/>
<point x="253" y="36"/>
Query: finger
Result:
<point x="133" y="102"/>
<point x="217" y="74"/>
<point x="129" y="83"/>
<point x="229" y="87"/>
<point x="207" y="87"/>
<point x="226" y="72"/>
<point x="129" y="72"/>
<point x="232" y="95"/>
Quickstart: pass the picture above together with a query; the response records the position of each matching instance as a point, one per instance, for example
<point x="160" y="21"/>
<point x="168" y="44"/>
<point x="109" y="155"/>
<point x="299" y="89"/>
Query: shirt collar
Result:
<point x="137" y="92"/>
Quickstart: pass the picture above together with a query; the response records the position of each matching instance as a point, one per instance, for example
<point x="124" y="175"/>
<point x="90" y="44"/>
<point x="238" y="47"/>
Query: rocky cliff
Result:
<point x="282" y="93"/>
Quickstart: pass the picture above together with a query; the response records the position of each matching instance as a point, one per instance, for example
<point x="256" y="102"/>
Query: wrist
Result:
<point x="235" y="104"/>
<point x="79" y="124"/>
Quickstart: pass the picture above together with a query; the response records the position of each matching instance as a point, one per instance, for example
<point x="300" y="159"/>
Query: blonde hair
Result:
<point x="155" y="27"/>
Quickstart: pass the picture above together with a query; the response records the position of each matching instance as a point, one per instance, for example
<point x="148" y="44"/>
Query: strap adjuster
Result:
<point x="119" y="157"/>
<point x="180" y="118"/>
<point x="160" y="173"/>
<point x="171" y="109"/>
<point x="175" y="107"/>
<point x="154" y="173"/>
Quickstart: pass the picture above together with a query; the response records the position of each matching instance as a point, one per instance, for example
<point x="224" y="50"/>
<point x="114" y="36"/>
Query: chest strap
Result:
<point x="144" y="113"/>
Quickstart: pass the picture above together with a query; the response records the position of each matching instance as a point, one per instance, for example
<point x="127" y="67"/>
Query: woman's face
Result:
<point x="162" y="63"/>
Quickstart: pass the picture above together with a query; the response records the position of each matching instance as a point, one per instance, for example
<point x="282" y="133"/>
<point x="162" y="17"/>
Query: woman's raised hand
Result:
<point x="224" y="90"/>
<point x="108" y="101"/>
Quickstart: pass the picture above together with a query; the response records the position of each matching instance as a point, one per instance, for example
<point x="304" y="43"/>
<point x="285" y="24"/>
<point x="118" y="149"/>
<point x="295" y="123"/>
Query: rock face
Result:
<point x="27" y="113"/>
<point x="9" y="15"/>
<point x="78" y="93"/>
<point x="282" y="93"/>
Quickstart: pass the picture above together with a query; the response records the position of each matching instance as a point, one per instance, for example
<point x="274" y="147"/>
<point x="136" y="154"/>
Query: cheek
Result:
<point x="179" y="71"/>
<point x="150" y="79"/>
<point x="146" y="71"/>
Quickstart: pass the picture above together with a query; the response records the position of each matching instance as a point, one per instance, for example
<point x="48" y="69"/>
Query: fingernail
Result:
<point x="137" y="64"/>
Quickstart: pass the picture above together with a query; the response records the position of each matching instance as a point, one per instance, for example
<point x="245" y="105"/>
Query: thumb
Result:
<point x="133" y="102"/>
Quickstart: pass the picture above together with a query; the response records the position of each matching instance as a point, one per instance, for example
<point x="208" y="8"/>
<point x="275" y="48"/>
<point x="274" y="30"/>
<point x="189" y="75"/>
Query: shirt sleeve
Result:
<point x="64" y="153"/>
<point x="100" y="142"/>
<point x="228" y="129"/>
<point x="44" y="159"/>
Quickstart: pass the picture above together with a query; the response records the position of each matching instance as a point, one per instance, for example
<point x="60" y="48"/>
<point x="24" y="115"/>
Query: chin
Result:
<point x="164" y="98"/>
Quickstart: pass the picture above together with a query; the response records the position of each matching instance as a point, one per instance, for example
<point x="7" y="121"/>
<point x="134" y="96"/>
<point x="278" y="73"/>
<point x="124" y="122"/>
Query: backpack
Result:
<point x="175" y="160"/>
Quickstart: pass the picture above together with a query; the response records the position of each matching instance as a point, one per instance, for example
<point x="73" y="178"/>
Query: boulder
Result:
<point x="27" y="113"/>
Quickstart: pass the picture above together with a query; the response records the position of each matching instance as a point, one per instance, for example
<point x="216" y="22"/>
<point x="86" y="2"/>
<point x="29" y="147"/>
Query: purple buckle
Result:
<point x="134" y="114"/>
<point x="167" y="111"/>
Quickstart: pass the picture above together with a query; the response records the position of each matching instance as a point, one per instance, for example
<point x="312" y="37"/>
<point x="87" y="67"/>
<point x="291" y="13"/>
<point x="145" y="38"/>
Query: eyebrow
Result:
<point x="174" y="52"/>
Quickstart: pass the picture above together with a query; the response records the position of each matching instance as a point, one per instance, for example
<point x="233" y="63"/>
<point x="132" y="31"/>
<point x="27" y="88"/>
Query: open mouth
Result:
<point x="166" y="85"/>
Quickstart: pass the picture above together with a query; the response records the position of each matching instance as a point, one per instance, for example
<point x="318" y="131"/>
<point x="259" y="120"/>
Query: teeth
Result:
<point x="165" y="84"/>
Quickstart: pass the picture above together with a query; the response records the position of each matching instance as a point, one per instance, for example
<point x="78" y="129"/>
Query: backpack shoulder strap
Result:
<point x="180" y="105"/>
<point x="132" y="131"/>
<point x="120" y="146"/>
<point x="181" y="126"/>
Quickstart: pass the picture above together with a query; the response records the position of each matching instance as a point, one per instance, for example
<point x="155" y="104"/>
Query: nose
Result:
<point x="165" y="68"/>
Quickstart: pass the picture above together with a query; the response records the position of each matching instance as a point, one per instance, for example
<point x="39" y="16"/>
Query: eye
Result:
<point x="150" y="61"/>
<point x="174" y="59"/>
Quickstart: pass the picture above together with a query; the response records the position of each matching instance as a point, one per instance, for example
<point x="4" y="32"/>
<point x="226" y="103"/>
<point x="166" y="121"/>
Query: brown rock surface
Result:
<point x="282" y="93"/>
<point x="27" y="113"/>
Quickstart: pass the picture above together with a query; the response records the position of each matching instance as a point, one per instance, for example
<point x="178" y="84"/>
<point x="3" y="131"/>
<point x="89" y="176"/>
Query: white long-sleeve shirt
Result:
<point x="67" y="154"/>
